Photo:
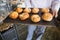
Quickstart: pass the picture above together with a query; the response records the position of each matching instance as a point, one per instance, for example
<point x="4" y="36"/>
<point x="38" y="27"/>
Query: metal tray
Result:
<point x="29" y="22"/>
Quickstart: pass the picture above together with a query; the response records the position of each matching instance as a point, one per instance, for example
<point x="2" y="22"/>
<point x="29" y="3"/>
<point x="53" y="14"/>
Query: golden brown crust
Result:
<point x="45" y="10"/>
<point x="23" y="16"/>
<point x="35" y="10"/>
<point x="13" y="15"/>
<point x="19" y="10"/>
<point x="47" y="16"/>
<point x="27" y="10"/>
<point x="35" y="18"/>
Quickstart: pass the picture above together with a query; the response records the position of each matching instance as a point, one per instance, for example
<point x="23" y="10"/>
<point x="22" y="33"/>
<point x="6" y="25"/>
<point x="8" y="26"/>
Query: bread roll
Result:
<point x="47" y="16"/>
<point x="19" y="10"/>
<point x="13" y="15"/>
<point x="45" y="10"/>
<point x="23" y="16"/>
<point x="27" y="10"/>
<point x="35" y="10"/>
<point x="35" y="18"/>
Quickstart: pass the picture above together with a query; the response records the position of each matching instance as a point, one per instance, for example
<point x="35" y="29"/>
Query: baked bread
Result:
<point x="35" y="18"/>
<point x="47" y="16"/>
<point x="23" y="16"/>
<point x="35" y="10"/>
<point x="27" y="10"/>
<point x="45" y="10"/>
<point x="19" y="10"/>
<point x="13" y="15"/>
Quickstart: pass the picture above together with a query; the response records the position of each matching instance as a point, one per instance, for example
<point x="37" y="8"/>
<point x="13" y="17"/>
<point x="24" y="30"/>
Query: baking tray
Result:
<point x="29" y="22"/>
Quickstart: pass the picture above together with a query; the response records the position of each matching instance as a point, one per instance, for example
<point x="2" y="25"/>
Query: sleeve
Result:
<point x="28" y="3"/>
<point x="56" y="5"/>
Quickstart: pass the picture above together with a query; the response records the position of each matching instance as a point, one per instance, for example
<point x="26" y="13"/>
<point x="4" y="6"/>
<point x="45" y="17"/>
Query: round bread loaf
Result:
<point x="45" y="10"/>
<point x="47" y="16"/>
<point x="27" y="10"/>
<point x="35" y="18"/>
<point x="19" y="10"/>
<point x="23" y="16"/>
<point x="35" y="10"/>
<point x="13" y="15"/>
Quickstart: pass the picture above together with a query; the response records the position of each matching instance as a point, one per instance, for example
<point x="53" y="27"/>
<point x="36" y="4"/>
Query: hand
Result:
<point x="55" y="13"/>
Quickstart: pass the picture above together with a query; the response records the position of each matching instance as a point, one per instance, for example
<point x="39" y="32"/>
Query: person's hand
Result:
<point x="55" y="13"/>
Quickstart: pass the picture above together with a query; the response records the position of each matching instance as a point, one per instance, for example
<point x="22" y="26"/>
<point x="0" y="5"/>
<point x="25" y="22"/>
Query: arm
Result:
<point x="55" y="7"/>
<point x="27" y="3"/>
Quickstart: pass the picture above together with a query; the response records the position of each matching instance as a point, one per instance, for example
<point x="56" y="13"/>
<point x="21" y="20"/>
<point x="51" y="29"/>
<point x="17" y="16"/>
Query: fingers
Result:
<point x="55" y="14"/>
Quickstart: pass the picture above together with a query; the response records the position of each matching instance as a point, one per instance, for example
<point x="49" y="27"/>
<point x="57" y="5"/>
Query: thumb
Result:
<point x="56" y="14"/>
<point x="53" y="13"/>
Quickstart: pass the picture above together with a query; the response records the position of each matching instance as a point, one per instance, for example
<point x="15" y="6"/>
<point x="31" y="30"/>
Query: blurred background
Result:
<point x="11" y="31"/>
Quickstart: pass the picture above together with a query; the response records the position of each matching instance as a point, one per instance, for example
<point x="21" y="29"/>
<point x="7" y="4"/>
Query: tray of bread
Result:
<point x="29" y="16"/>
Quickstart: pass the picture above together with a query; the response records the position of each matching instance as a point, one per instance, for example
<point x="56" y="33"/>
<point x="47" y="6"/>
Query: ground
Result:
<point x="51" y="33"/>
